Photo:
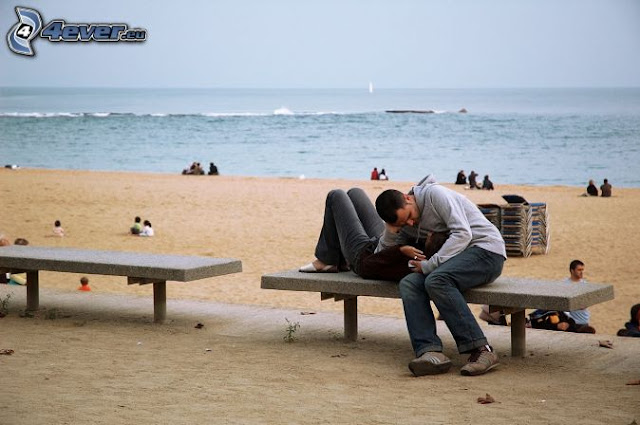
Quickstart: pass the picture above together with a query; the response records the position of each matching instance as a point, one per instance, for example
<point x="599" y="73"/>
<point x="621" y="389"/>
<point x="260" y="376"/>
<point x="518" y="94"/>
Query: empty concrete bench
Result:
<point x="511" y="295"/>
<point x="139" y="268"/>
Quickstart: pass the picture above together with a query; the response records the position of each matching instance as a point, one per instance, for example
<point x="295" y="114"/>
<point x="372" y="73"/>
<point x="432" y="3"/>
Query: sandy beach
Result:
<point x="103" y="361"/>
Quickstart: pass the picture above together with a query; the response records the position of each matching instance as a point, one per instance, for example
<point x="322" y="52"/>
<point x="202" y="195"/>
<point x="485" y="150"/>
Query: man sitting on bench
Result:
<point x="473" y="255"/>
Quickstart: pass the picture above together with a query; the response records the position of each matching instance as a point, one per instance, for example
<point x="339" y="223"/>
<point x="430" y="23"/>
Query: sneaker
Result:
<point x="482" y="360"/>
<point x="430" y="363"/>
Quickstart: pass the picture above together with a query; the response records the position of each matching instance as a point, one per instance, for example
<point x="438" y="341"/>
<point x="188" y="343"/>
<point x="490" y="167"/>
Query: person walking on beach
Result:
<point x="592" y="190"/>
<point x="605" y="189"/>
<point x="473" y="255"/>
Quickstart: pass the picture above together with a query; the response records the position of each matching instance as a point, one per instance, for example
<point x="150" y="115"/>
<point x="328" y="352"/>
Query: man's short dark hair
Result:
<point x="388" y="202"/>
<point x="574" y="264"/>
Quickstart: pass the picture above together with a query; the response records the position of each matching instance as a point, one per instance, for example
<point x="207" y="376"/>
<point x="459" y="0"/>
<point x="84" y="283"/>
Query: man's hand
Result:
<point x="415" y="266"/>
<point x="413" y="253"/>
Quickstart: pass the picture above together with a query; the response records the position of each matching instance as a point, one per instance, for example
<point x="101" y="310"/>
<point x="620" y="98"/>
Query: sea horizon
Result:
<point x="539" y="136"/>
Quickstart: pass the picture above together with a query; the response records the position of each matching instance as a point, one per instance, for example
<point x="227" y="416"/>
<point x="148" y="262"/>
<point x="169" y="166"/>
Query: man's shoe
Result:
<point x="482" y="360"/>
<point x="430" y="363"/>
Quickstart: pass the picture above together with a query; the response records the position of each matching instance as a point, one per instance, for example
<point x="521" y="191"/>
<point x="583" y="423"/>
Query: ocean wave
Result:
<point x="41" y="114"/>
<point x="276" y="112"/>
<point x="283" y="111"/>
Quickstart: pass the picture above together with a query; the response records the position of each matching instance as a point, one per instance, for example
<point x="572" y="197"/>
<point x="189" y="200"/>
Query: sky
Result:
<point x="336" y="44"/>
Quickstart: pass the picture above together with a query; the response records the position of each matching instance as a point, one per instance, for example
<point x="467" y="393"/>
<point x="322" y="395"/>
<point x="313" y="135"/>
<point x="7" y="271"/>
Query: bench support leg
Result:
<point x="159" y="301"/>
<point x="33" y="297"/>
<point x="518" y="338"/>
<point x="351" y="318"/>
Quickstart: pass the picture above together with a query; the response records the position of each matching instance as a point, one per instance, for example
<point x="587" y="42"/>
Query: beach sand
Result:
<point x="103" y="361"/>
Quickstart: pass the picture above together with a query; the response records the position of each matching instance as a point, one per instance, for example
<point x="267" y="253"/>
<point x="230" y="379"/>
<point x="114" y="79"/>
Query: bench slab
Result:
<point x="138" y="267"/>
<point x="505" y="291"/>
<point x="511" y="294"/>
<point x="180" y="268"/>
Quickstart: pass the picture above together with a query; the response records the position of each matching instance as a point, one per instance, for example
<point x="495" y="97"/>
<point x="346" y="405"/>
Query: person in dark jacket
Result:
<point x="486" y="183"/>
<point x="632" y="327"/>
<point x="592" y="190"/>
<point x="473" y="184"/>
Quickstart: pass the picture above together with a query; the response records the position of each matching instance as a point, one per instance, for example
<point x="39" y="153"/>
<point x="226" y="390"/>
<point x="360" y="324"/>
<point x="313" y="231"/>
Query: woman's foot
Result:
<point x="318" y="266"/>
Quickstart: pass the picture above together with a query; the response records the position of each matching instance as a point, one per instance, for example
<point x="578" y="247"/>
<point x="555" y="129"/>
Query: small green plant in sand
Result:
<point x="4" y="305"/>
<point x="290" y="331"/>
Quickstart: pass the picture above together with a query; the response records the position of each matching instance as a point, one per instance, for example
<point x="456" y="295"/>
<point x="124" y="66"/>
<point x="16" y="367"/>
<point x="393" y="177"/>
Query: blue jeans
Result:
<point x="444" y="286"/>
<point x="350" y="225"/>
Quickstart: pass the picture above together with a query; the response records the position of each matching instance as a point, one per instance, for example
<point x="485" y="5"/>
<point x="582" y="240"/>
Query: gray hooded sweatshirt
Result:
<point x="444" y="210"/>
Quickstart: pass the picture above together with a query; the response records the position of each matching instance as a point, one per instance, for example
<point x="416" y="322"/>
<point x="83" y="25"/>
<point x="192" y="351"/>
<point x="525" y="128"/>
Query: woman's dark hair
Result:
<point x="388" y="202"/>
<point x="147" y="223"/>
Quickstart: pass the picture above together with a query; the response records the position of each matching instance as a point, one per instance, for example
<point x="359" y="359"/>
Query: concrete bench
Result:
<point x="511" y="295"/>
<point x="139" y="268"/>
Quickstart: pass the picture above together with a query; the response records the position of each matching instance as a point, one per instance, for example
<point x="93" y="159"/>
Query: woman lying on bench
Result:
<point x="349" y="238"/>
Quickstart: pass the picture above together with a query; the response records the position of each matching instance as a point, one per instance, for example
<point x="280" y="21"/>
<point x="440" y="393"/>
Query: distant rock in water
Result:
<point x="410" y="111"/>
<point x="463" y="111"/>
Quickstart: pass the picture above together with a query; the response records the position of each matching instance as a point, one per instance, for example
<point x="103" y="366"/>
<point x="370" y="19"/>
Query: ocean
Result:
<point x="516" y="136"/>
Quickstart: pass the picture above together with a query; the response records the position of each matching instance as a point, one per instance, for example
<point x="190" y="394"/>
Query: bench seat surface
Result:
<point x="179" y="268"/>
<point x="505" y="292"/>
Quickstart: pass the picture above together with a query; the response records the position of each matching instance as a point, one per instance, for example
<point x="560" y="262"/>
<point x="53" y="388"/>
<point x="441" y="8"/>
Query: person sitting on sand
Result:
<point x="632" y="327"/>
<point x="383" y="175"/>
<point x="137" y="227"/>
<point x="473" y="184"/>
<point x="84" y="284"/>
<point x="592" y="190"/>
<point x="570" y="321"/>
<point x="473" y="255"/>
<point x="374" y="174"/>
<point x="605" y="189"/>
<point x="213" y="170"/>
<point x="57" y="229"/>
<point x="349" y="239"/>
<point x="486" y="183"/>
<point x="147" y="230"/>
<point x="461" y="178"/>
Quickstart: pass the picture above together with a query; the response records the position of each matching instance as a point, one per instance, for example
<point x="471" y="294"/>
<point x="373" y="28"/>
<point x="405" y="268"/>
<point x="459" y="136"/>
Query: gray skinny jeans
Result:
<point x="350" y="225"/>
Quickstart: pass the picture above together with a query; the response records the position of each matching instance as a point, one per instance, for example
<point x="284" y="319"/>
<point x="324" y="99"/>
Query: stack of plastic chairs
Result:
<point x="492" y="213"/>
<point x="517" y="230"/>
<point x="524" y="227"/>
<point x="541" y="242"/>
